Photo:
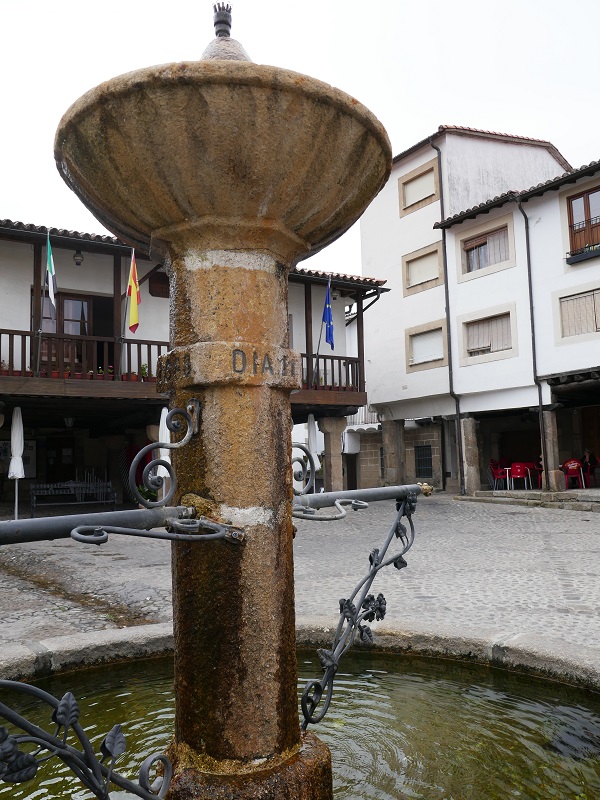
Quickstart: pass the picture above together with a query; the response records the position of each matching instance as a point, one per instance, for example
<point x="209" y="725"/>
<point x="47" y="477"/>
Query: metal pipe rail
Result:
<point x="42" y="529"/>
<point x="328" y="499"/>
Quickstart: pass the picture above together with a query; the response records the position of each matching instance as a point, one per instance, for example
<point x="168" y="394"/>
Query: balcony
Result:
<point x="335" y="382"/>
<point x="585" y="240"/>
<point x="93" y="366"/>
<point x="53" y="364"/>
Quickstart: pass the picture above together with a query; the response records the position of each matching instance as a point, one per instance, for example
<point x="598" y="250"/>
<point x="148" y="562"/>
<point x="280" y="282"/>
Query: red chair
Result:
<point x="519" y="471"/>
<point x="572" y="469"/>
<point x="499" y="474"/>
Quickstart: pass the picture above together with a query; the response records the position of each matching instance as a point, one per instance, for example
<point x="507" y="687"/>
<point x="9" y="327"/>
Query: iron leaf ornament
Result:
<point x="20" y="766"/>
<point x="355" y="611"/>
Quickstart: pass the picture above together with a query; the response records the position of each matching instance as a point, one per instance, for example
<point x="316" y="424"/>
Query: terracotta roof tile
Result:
<point x="41" y="230"/>
<point x="523" y="194"/>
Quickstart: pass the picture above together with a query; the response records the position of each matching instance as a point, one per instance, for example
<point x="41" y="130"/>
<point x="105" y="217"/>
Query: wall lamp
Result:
<point x="78" y="258"/>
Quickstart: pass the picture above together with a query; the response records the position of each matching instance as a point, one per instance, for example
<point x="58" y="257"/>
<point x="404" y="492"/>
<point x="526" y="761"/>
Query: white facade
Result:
<point x="397" y="238"/>
<point x="486" y="357"/>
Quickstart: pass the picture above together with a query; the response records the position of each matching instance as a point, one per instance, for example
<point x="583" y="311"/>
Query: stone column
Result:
<point x="392" y="433"/>
<point x="470" y="455"/>
<point x="332" y="429"/>
<point x="235" y="171"/>
<point x="234" y="605"/>
<point x="556" y="477"/>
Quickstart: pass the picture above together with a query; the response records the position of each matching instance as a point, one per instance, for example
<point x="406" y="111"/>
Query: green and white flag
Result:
<point x="51" y="278"/>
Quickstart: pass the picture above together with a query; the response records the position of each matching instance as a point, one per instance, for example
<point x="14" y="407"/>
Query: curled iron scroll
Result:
<point x="151" y="481"/>
<point x="304" y="473"/>
<point x="356" y="610"/>
<point x="95" y="773"/>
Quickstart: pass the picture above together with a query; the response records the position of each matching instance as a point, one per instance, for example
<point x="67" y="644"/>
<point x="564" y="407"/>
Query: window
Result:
<point x="580" y="313"/>
<point x="423" y="461"/>
<point x="422" y="269"/>
<point x="491" y="335"/>
<point x="486" y="250"/>
<point x="584" y="224"/>
<point x="427" y="346"/>
<point x="418" y="188"/>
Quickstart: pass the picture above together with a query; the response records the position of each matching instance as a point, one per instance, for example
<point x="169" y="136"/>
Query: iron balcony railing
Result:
<point x="332" y="373"/>
<point x="54" y="355"/>
<point x="584" y="236"/>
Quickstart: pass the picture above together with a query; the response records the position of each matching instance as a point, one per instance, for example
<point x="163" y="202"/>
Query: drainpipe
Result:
<point x="536" y="380"/>
<point x="455" y="397"/>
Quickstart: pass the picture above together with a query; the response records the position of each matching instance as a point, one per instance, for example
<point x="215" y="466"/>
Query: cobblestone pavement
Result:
<point x="475" y="569"/>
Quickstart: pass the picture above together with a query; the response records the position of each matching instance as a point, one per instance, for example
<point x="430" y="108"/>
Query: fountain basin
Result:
<point x="232" y="151"/>
<point x="399" y="727"/>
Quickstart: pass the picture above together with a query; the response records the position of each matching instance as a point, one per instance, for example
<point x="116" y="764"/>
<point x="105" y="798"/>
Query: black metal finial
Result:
<point x="222" y="19"/>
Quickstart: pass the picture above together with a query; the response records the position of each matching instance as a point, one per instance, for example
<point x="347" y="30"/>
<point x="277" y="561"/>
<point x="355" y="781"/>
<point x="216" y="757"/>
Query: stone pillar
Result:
<point x="470" y="455"/>
<point x="233" y="622"/>
<point x="556" y="477"/>
<point x="332" y="429"/>
<point x="234" y="171"/>
<point x="392" y="433"/>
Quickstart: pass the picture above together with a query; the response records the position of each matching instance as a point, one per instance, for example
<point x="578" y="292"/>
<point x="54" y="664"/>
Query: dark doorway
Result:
<point x="61" y="463"/>
<point x="351" y="471"/>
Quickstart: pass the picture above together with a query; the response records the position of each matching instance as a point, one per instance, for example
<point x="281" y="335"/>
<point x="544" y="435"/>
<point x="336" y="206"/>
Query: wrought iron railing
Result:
<point x="19" y="762"/>
<point x="58" y="355"/>
<point x="584" y="236"/>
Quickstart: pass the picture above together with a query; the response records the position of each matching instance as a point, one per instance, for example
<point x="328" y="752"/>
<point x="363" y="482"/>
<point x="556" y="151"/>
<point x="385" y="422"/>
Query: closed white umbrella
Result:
<point x="164" y="435"/>
<point x="15" y="469"/>
<point x="311" y="426"/>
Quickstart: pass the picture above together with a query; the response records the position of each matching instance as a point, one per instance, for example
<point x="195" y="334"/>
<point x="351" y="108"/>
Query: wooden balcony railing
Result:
<point x="343" y="373"/>
<point x="23" y="352"/>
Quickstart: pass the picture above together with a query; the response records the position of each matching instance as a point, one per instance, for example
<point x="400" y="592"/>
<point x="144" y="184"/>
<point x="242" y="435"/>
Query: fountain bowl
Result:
<point x="224" y="150"/>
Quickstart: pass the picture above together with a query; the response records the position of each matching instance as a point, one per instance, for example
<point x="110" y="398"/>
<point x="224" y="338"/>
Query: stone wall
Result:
<point x="369" y="461"/>
<point x="429" y="434"/>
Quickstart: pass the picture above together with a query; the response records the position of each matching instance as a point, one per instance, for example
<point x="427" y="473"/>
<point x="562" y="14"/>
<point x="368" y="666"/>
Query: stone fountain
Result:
<point x="233" y="172"/>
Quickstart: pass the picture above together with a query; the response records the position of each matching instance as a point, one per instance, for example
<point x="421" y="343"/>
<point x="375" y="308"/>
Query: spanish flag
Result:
<point x="133" y="292"/>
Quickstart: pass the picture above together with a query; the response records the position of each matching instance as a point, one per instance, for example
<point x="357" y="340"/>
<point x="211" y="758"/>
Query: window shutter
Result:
<point x="489" y="335"/>
<point x="578" y="314"/>
<point x="424" y="268"/>
<point x="419" y="188"/>
<point x="478" y="335"/>
<point x="428" y="346"/>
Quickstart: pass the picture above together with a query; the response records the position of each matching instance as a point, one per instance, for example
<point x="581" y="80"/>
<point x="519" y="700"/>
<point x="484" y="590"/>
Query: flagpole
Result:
<point x="319" y="343"/>
<point x="43" y="287"/>
<point x="123" y="332"/>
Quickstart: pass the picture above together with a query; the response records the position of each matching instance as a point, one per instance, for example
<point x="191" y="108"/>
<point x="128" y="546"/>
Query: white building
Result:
<point x="86" y="385"/>
<point x="455" y="334"/>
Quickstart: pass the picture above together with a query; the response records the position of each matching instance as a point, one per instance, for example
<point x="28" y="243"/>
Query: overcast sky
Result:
<point x="527" y="67"/>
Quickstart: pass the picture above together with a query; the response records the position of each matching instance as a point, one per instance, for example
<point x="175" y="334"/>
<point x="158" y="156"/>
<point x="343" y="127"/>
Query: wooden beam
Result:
<point x="117" y="314"/>
<point x="308" y="328"/>
<point x="360" y="335"/>
<point x="37" y="303"/>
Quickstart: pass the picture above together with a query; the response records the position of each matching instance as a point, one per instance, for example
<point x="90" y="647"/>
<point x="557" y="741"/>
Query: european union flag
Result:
<point x="328" y="317"/>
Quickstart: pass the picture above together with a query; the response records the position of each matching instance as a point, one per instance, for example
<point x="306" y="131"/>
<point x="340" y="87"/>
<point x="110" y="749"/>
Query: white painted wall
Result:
<point x="296" y="309"/>
<point x="473" y="170"/>
<point x="554" y="278"/>
<point x="478" y="169"/>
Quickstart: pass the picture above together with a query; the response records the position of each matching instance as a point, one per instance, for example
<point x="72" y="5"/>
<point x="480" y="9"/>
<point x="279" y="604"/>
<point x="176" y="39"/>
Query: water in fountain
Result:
<point x="398" y="728"/>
